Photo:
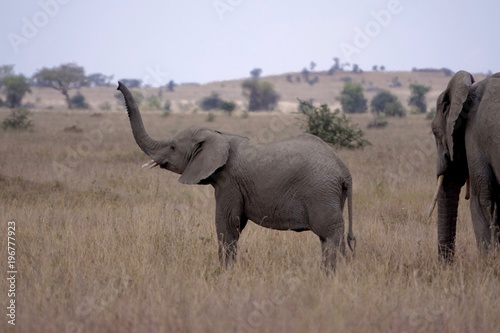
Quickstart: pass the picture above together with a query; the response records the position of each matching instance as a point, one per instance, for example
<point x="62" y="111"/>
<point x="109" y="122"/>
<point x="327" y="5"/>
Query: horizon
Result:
<point x="222" y="40"/>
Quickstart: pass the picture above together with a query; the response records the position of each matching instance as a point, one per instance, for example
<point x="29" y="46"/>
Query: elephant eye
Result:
<point x="172" y="148"/>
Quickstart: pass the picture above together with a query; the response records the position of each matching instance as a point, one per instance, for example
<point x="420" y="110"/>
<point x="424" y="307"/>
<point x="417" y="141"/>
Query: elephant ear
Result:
<point x="455" y="96"/>
<point x="211" y="152"/>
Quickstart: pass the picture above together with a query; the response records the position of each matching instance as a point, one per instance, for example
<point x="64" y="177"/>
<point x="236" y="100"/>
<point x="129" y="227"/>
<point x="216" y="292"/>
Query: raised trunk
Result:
<point x="447" y="219"/>
<point x="145" y="142"/>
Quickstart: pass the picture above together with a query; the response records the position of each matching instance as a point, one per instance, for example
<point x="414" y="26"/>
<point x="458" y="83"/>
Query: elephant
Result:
<point x="296" y="184"/>
<point x="466" y="129"/>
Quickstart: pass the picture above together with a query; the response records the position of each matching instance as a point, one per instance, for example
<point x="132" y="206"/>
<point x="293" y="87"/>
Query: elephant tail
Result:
<point x="351" y="240"/>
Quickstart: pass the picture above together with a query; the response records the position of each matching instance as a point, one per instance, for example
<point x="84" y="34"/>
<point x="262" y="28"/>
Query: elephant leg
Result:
<point x="483" y="217"/>
<point x="330" y="248"/>
<point x="228" y="226"/>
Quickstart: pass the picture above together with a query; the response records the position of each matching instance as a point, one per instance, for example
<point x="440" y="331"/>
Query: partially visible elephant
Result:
<point x="296" y="184"/>
<point x="467" y="132"/>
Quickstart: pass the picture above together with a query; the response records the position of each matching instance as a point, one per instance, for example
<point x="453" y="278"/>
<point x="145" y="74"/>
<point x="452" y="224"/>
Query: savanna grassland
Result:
<point x="105" y="246"/>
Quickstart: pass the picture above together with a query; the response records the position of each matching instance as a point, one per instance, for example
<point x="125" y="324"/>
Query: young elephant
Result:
<point x="296" y="184"/>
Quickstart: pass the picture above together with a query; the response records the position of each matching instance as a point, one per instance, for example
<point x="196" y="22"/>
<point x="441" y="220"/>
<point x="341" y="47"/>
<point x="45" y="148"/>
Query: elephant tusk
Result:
<point x="151" y="164"/>
<point x="434" y="199"/>
<point x="467" y="189"/>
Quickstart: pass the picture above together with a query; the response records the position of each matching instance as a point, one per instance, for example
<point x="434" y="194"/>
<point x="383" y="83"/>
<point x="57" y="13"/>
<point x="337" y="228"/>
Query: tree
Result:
<point x="255" y="73"/>
<point x="171" y="85"/>
<point x="211" y="102"/>
<point x="260" y="94"/>
<point x="356" y="69"/>
<point x="352" y="98"/>
<point x="333" y="128"/>
<point x="388" y="104"/>
<point x="61" y="78"/>
<point x="417" y="97"/>
<point x="99" y="80"/>
<point x="228" y="107"/>
<point x="78" y="101"/>
<point x="16" y="86"/>
<point x="5" y="70"/>
<point x="131" y="83"/>
<point x="312" y="66"/>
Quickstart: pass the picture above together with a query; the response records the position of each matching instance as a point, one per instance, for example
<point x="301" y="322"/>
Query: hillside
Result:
<point x="185" y="96"/>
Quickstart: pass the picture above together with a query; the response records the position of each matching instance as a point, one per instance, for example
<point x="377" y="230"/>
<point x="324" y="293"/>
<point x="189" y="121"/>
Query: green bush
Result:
<point x="18" y="120"/>
<point x="333" y="128"/>
<point x="16" y="86"/>
<point x="387" y="104"/>
<point x="260" y="94"/>
<point x="352" y="98"/>
<point x="214" y="102"/>
<point x="211" y="102"/>
<point x="78" y="101"/>
<point x="417" y="97"/>
<point x="228" y="107"/>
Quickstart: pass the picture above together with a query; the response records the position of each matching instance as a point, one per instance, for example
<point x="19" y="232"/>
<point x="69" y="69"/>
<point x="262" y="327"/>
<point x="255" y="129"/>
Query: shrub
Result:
<point x="78" y="101"/>
<point x="333" y="128"/>
<point x="211" y="102"/>
<point x="388" y="104"/>
<point x="260" y="94"/>
<point x="352" y="98"/>
<point x="16" y="86"/>
<point x="417" y="97"/>
<point x="18" y="120"/>
<point x="228" y="107"/>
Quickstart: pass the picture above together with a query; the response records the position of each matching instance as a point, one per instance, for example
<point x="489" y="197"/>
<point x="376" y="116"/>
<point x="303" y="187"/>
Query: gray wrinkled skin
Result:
<point x="296" y="184"/>
<point x="467" y="132"/>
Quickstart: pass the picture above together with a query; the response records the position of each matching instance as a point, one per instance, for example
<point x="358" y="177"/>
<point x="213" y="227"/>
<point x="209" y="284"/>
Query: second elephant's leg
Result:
<point x="482" y="214"/>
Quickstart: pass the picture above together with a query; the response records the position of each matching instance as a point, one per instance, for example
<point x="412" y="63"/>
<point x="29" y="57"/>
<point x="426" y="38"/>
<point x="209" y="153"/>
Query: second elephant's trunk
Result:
<point x="447" y="219"/>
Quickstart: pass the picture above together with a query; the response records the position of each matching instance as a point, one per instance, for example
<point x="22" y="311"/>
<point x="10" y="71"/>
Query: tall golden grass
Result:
<point x="105" y="246"/>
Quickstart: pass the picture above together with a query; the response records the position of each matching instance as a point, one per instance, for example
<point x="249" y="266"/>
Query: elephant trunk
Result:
<point x="145" y="142"/>
<point x="447" y="219"/>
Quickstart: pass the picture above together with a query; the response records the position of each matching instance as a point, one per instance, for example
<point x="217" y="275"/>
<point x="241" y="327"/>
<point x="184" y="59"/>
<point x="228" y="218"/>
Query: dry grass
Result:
<point x="109" y="247"/>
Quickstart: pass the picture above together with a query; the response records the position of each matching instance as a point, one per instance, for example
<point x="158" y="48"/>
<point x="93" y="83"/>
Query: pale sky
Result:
<point x="207" y="40"/>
